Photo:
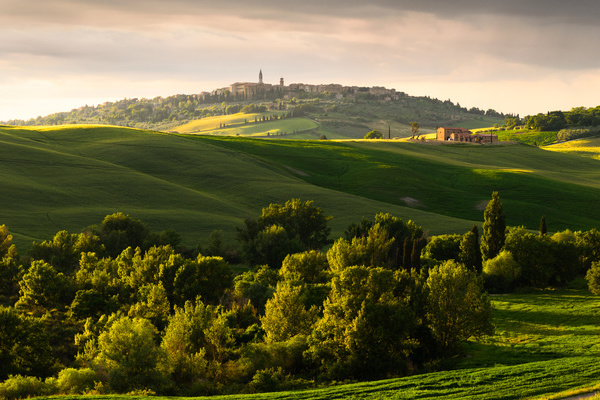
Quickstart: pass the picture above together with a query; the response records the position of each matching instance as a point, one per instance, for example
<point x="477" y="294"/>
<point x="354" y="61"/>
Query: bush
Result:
<point x="501" y="272"/>
<point x="457" y="306"/>
<point x="578" y="133"/>
<point x="267" y="380"/>
<point x="76" y="381"/>
<point x="22" y="387"/>
<point x="374" y="135"/>
<point x="593" y="278"/>
<point x="443" y="247"/>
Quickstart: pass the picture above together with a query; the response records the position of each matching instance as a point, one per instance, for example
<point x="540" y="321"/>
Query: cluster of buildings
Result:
<point x="260" y="90"/>
<point x="464" y="135"/>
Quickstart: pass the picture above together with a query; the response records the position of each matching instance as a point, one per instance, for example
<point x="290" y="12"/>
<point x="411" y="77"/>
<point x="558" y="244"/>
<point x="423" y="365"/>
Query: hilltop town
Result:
<point x="241" y="91"/>
<point x="341" y="111"/>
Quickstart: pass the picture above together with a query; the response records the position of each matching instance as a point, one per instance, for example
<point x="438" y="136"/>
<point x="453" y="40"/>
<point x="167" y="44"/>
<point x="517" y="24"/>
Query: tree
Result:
<point x="119" y="231"/>
<point x="307" y="267"/>
<point x="593" y="278"/>
<point x="10" y="268"/>
<point x="534" y="254"/>
<point x="207" y="277"/>
<point x="184" y="342"/>
<point x="543" y="228"/>
<point x="24" y="345"/>
<point x="64" y="250"/>
<point x="42" y="289"/>
<point x="371" y="251"/>
<point x="502" y="272"/>
<point x="414" y="129"/>
<point x="366" y="329"/>
<point x="152" y="305"/>
<point x="285" y="314"/>
<point x="494" y="226"/>
<point x="375" y="134"/>
<point x="457" y="305"/>
<point x="301" y="220"/>
<point x="127" y="350"/>
<point x="284" y="229"/>
<point x="270" y="246"/>
<point x="470" y="250"/>
<point x="443" y="247"/>
<point x="257" y="285"/>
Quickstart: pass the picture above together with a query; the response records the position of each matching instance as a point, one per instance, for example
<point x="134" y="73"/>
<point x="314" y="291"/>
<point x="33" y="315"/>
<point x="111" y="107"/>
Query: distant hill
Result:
<point x="70" y="177"/>
<point x="335" y="116"/>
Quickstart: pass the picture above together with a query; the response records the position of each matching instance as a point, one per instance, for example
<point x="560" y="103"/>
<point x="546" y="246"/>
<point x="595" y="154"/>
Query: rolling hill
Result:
<point x="70" y="177"/>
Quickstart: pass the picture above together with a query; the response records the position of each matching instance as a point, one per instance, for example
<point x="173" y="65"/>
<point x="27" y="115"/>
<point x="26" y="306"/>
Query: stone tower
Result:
<point x="260" y="81"/>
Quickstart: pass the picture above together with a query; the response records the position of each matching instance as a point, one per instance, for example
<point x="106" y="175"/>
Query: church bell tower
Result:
<point x="260" y="78"/>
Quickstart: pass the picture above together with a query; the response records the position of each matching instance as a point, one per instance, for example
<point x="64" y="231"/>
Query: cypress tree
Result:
<point x="415" y="255"/>
<point x="406" y="253"/>
<point x="494" y="226"/>
<point x="543" y="229"/>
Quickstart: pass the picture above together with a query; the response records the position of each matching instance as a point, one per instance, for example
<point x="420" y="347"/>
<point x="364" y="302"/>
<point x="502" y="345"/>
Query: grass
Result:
<point x="71" y="177"/>
<point x="453" y="180"/>
<point x="241" y="124"/>
<point x="546" y="345"/>
<point x="534" y="138"/>
<point x="589" y="147"/>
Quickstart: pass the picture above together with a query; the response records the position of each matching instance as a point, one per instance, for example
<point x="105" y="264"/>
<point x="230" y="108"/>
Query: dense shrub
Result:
<point x="443" y="247"/>
<point x="501" y="272"/>
<point x="22" y="387"/>
<point x="578" y="133"/>
<point x="76" y="381"/>
<point x="593" y="278"/>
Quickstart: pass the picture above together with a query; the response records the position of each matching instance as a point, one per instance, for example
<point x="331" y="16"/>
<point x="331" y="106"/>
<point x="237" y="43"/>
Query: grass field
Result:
<point x="546" y="345"/>
<point x="589" y="147"/>
<point x="534" y="138"/>
<point x="244" y="125"/>
<point x="454" y="180"/>
<point x="71" y="177"/>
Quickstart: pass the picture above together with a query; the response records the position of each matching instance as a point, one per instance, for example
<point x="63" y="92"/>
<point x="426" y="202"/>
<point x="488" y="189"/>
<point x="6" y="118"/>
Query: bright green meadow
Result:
<point x="70" y="177"/>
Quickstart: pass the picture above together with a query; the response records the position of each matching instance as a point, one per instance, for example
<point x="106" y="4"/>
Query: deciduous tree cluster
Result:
<point x="118" y="308"/>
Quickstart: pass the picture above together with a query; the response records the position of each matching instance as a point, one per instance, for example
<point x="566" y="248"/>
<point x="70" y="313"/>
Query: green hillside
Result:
<point x="453" y="180"/>
<point x="71" y="177"/>
<point x="589" y="147"/>
<point x="241" y="124"/>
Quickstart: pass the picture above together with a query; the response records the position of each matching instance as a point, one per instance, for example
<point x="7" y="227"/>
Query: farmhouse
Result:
<point x="455" y="134"/>
<point x="464" y="135"/>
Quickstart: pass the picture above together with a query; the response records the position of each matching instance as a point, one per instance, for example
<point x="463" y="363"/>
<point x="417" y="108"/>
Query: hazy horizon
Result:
<point x="519" y="57"/>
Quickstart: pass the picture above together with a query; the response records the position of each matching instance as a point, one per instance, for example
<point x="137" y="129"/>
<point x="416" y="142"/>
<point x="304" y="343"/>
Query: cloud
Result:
<point x="434" y="43"/>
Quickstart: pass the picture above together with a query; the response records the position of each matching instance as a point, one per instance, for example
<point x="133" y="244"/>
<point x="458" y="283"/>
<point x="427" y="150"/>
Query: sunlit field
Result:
<point x="241" y="124"/>
<point x="582" y="147"/>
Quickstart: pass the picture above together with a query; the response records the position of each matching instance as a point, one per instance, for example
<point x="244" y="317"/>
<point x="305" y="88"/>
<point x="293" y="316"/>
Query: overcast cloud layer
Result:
<point x="523" y="57"/>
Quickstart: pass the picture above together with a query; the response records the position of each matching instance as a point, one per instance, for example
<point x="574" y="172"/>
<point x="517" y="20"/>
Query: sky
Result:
<point x="515" y="56"/>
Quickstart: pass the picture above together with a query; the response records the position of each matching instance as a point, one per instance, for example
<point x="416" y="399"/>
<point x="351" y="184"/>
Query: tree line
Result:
<point x="557" y="120"/>
<point x="120" y="309"/>
<point x="161" y="113"/>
